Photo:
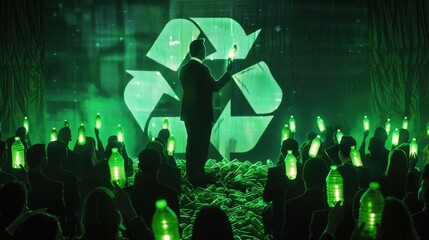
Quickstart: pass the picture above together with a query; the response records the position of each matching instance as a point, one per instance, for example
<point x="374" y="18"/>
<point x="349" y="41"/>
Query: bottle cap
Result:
<point x="16" y="138"/>
<point x="114" y="150"/>
<point x="374" y="185"/>
<point x="161" y="203"/>
<point x="333" y="167"/>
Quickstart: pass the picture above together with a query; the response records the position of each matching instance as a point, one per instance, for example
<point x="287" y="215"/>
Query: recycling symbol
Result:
<point x="230" y="134"/>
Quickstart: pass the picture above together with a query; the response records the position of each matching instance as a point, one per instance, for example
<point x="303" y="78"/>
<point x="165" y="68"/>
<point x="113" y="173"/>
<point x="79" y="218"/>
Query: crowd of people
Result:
<point x="63" y="193"/>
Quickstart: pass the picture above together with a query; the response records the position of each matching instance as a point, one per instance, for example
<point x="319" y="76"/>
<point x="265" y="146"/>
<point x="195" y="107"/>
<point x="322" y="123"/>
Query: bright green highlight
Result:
<point x="18" y="157"/>
<point x="334" y="187"/>
<point x="405" y="123"/>
<point x="232" y="53"/>
<point x="98" y="121"/>
<point x="66" y="123"/>
<point x="427" y="129"/>
<point x="366" y="123"/>
<point x="285" y="132"/>
<point x="388" y="126"/>
<point x="395" y="137"/>
<point x="355" y="157"/>
<point x="53" y="135"/>
<point x="339" y="135"/>
<point x="171" y="144"/>
<point x="292" y="124"/>
<point x="321" y="124"/>
<point x="26" y="124"/>
<point x="165" y="124"/>
<point x="120" y="133"/>
<point x="315" y="146"/>
<point x="164" y="222"/>
<point x="290" y="165"/>
<point x="371" y="210"/>
<point x="414" y="148"/>
<point x="117" y="168"/>
<point x="81" y="135"/>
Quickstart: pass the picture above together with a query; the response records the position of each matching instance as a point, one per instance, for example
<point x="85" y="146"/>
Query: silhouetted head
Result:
<point x="40" y="226"/>
<point x="404" y="136"/>
<point x="381" y="133"/>
<point x="197" y="48"/>
<point x="350" y="180"/>
<point x="3" y="152"/>
<point x="314" y="173"/>
<point x="396" y="221"/>
<point x="110" y="146"/>
<point x="64" y="135"/>
<point x="100" y="216"/>
<point x="212" y="223"/>
<point x="57" y="153"/>
<point x="310" y="136"/>
<point x="164" y="134"/>
<point x="159" y="148"/>
<point x="423" y="193"/>
<point x="330" y="136"/>
<point x="290" y="144"/>
<point x="21" y="132"/>
<point x="376" y="145"/>
<point x="36" y="156"/>
<point x="149" y="161"/>
<point x="112" y="138"/>
<point x="397" y="167"/>
<point x="13" y="200"/>
<point x="346" y="144"/>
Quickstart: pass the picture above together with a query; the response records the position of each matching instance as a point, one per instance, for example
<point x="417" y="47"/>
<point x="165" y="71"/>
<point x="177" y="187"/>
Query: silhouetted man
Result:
<point x="197" y="109"/>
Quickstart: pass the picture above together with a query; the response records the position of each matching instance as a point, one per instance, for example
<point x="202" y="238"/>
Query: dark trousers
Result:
<point x="197" y="149"/>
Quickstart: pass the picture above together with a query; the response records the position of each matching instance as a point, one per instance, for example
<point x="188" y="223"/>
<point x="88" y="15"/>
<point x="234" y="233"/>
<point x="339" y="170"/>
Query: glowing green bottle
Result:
<point x="285" y="132"/>
<point x="171" y="145"/>
<point x="53" y="135"/>
<point x="26" y="124"/>
<point x="339" y="136"/>
<point x="18" y="157"/>
<point x="66" y="123"/>
<point x="366" y="123"/>
<point x="290" y="165"/>
<point x="395" y="137"/>
<point x="165" y="124"/>
<point x="388" y="126"/>
<point x="117" y="169"/>
<point x="414" y="147"/>
<point x="231" y="54"/>
<point x="321" y="124"/>
<point x="355" y="157"/>
<point x="120" y="133"/>
<point x="292" y="124"/>
<point x="81" y="135"/>
<point x="165" y="225"/>
<point x="315" y="146"/>
<point x="98" y="121"/>
<point x="427" y="129"/>
<point x="334" y="187"/>
<point x="371" y="210"/>
<point x="405" y="123"/>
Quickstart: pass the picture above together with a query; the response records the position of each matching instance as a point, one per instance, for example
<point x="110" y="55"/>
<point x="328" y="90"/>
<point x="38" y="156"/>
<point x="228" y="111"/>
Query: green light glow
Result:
<point x="334" y="187"/>
<point x="17" y="154"/>
<point x="171" y="144"/>
<point x="366" y="123"/>
<point x="285" y="132"/>
<point x="165" y="124"/>
<point x="405" y="123"/>
<point x="117" y="169"/>
<point x="98" y="121"/>
<point x="427" y="129"/>
<point x="339" y="136"/>
<point x="292" y="124"/>
<point x="371" y="209"/>
<point x="232" y="53"/>
<point x="66" y="123"/>
<point x="395" y="137"/>
<point x="81" y="135"/>
<point x="26" y="124"/>
<point x="414" y="148"/>
<point x="53" y="135"/>
<point x="120" y="133"/>
<point x="321" y="124"/>
<point x="290" y="165"/>
<point x="355" y="157"/>
<point x="388" y="126"/>
<point x="315" y="146"/>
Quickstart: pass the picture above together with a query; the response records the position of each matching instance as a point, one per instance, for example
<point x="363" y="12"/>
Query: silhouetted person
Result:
<point x="212" y="223"/>
<point x="300" y="209"/>
<point x="87" y="156"/>
<point x="395" y="181"/>
<point x="146" y="192"/>
<point x="421" y="219"/>
<point x="13" y="201"/>
<point x="197" y="110"/>
<point x="329" y="137"/>
<point x="57" y="156"/>
<point x="376" y="160"/>
<point x="320" y="217"/>
<point x="346" y="144"/>
<point x="396" y="221"/>
<point x="39" y="226"/>
<point x="73" y="159"/>
<point x="44" y="192"/>
<point x="4" y="177"/>
<point x="404" y="136"/>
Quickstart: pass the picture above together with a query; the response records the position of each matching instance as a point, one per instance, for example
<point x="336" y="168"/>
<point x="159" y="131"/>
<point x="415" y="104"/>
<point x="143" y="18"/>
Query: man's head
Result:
<point x="57" y="153"/>
<point x="290" y="144"/>
<point x="381" y="133"/>
<point x="149" y="161"/>
<point x="36" y="156"/>
<point x="404" y="136"/>
<point x="375" y="145"/>
<point x="314" y="173"/>
<point x="346" y="144"/>
<point x="13" y="200"/>
<point x="197" y="48"/>
<point x="64" y="135"/>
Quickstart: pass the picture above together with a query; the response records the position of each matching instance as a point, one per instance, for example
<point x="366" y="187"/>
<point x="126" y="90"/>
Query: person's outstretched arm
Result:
<point x="222" y="81"/>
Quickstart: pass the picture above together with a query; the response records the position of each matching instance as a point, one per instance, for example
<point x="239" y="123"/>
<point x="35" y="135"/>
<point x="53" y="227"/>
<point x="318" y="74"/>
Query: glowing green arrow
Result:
<point x="260" y="88"/>
<point x="143" y="92"/>
<point x="238" y="133"/>
<point x="172" y="44"/>
<point x="223" y="33"/>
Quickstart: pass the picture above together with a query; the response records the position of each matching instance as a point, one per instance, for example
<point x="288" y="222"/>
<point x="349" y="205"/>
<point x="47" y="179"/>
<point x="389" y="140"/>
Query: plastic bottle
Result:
<point x="371" y="210"/>
<point x="81" y="135"/>
<point x="395" y="137"/>
<point x="285" y="132"/>
<point x="321" y="124"/>
<point x="26" y="124"/>
<point x="414" y="147"/>
<point x="366" y="123"/>
<point x="164" y="222"/>
<point x="117" y="169"/>
<point x="334" y="187"/>
<point x="120" y="133"/>
<point x="66" y="123"/>
<point x="171" y="145"/>
<point x="315" y="146"/>
<point x="427" y="129"/>
<point x="290" y="165"/>
<point x="98" y="121"/>
<point x="405" y="123"/>
<point x="292" y="124"/>
<point x="165" y="124"/>
<point x="388" y="126"/>
<point x="53" y="135"/>
<point x="18" y="157"/>
<point x="339" y="136"/>
<point x="355" y="157"/>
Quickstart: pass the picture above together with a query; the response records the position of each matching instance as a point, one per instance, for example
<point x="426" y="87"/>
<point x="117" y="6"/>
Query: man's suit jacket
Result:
<point x="198" y="86"/>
